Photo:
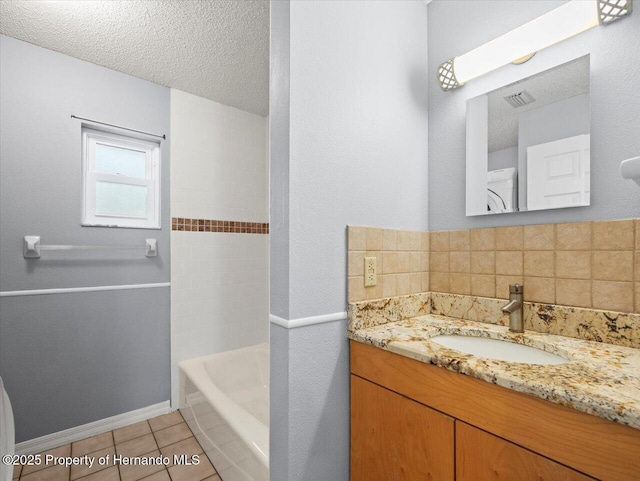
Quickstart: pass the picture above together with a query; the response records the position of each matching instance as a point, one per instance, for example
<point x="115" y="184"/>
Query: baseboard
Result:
<point x="71" y="435"/>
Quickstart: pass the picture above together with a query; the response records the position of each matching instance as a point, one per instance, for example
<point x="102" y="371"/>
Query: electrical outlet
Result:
<point x="370" y="272"/>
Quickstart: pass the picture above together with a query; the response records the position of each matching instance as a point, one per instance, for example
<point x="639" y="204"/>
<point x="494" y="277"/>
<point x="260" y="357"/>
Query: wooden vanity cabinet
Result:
<point x="483" y="456"/>
<point x="500" y="434"/>
<point x="395" y="438"/>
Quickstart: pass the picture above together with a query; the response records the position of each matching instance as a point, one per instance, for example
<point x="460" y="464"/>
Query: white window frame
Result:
<point x="90" y="138"/>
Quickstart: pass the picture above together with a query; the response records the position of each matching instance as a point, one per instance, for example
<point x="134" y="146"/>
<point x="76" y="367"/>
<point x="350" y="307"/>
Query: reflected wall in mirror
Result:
<point x="528" y="143"/>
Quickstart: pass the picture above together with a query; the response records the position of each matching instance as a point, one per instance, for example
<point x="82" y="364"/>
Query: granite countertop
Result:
<point x="600" y="379"/>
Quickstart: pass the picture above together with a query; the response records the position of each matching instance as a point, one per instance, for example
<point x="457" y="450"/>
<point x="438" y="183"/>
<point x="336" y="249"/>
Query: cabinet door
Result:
<point x="396" y="439"/>
<point x="481" y="456"/>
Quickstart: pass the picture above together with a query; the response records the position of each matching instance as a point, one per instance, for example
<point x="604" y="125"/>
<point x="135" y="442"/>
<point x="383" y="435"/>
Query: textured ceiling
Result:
<point x="553" y="85"/>
<point x="217" y="49"/>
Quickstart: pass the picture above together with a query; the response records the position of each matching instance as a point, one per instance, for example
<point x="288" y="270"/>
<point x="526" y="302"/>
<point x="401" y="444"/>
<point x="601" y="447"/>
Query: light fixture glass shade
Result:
<point x="559" y="24"/>
<point x="566" y="21"/>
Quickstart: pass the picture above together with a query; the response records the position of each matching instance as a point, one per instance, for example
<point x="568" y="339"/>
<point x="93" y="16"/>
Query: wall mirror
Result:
<point x="528" y="143"/>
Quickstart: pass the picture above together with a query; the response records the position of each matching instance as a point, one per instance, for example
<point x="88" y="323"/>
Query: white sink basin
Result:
<point x="499" y="350"/>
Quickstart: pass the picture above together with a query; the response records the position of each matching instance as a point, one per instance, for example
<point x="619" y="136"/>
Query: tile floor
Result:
<point x="166" y="435"/>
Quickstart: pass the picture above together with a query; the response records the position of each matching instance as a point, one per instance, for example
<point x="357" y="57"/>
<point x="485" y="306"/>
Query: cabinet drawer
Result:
<point x="480" y="456"/>
<point x="395" y="438"/>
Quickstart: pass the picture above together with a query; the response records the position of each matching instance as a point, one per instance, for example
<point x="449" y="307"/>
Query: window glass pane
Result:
<point x="121" y="199"/>
<point x="119" y="161"/>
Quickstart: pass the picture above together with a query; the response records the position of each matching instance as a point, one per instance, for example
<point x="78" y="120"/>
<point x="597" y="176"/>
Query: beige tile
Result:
<point x="137" y="446"/>
<point x="89" y="445"/>
<point x="374" y="239"/>
<point x="52" y="473"/>
<point x="82" y="470"/>
<point x="374" y="292"/>
<point x="415" y="280"/>
<point x="390" y="262"/>
<point x="614" y="235"/>
<point x="483" y="239"/>
<point x="612" y="265"/>
<point x="509" y="263"/>
<point x="540" y="289"/>
<point x="139" y="471"/>
<point x="539" y="263"/>
<point x="460" y="283"/>
<point x="415" y="260"/>
<point x="540" y="237"/>
<point x="389" y="285"/>
<point x="439" y="262"/>
<point x="192" y="473"/>
<point x="573" y="292"/>
<point x="503" y="283"/>
<point x="425" y="241"/>
<point x="389" y="240"/>
<point x="509" y="238"/>
<point x="356" y="240"/>
<point x="425" y="282"/>
<point x="459" y="240"/>
<point x="355" y="264"/>
<point x="409" y="240"/>
<point x="637" y="266"/>
<point x="17" y="469"/>
<point x="575" y="236"/>
<point x="187" y="447"/>
<point x="177" y="432"/>
<point x="638" y="297"/>
<point x="404" y="284"/>
<point x="483" y="262"/>
<point x="573" y="264"/>
<point x="160" y="476"/>
<point x="129" y="432"/>
<point x="109" y="474"/>
<point x="61" y="451"/>
<point x="638" y="234"/>
<point x="460" y="262"/>
<point x="405" y="262"/>
<point x="613" y="296"/>
<point x="356" y="289"/>
<point x="439" y="281"/>
<point x="424" y="261"/>
<point x="483" y="285"/>
<point x="213" y="478"/>
<point x="439" y="241"/>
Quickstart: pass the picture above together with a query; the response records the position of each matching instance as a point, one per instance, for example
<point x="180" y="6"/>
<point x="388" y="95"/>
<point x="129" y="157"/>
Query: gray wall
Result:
<point x="503" y="159"/>
<point x="457" y="26"/>
<point x="68" y="359"/>
<point x="279" y="104"/>
<point x="348" y="146"/>
<point x="559" y="120"/>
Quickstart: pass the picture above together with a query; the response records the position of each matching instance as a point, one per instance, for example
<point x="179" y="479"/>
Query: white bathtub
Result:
<point x="225" y="400"/>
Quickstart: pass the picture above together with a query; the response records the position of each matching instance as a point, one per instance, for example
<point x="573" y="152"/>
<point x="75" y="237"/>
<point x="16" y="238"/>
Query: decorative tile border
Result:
<point x="207" y="225"/>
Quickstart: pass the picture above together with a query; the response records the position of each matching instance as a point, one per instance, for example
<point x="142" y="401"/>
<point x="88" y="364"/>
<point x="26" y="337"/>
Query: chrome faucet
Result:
<point x="514" y="308"/>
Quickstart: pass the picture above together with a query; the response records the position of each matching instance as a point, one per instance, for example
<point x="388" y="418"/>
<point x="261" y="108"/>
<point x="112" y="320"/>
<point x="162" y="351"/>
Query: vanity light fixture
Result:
<point x="570" y="19"/>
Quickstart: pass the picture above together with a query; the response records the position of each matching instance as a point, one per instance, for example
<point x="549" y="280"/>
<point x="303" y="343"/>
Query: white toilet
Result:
<point x="7" y="433"/>
<point x="502" y="191"/>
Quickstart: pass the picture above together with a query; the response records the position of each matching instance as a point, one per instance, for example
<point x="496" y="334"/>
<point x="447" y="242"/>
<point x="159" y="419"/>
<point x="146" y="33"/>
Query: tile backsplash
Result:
<point x="402" y="262"/>
<point x="582" y="264"/>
